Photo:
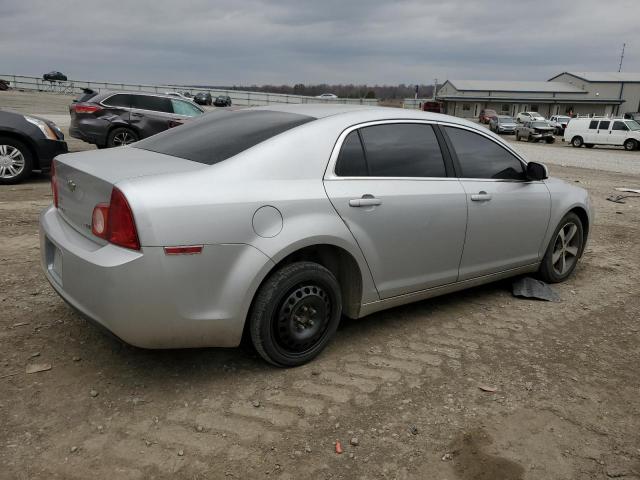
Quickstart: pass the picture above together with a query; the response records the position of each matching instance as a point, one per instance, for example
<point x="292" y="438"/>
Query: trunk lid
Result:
<point x="87" y="178"/>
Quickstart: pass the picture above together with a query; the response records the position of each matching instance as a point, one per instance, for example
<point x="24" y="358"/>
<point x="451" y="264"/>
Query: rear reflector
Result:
<point x="184" y="250"/>
<point x="86" y="108"/>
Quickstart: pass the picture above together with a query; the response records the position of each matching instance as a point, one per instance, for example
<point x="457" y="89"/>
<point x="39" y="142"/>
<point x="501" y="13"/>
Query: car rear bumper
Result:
<point x="149" y="299"/>
<point x="90" y="130"/>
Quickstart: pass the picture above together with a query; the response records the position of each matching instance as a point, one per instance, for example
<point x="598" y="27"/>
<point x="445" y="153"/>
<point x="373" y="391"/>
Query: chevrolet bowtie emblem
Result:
<point x="71" y="185"/>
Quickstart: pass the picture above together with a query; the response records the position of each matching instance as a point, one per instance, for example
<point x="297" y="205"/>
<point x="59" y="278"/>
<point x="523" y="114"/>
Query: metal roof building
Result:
<point x="597" y="93"/>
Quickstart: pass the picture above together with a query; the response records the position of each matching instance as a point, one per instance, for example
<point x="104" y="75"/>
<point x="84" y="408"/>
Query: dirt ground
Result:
<point x="399" y="389"/>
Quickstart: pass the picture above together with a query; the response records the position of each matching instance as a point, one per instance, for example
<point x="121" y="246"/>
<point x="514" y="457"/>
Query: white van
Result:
<point x="603" y="131"/>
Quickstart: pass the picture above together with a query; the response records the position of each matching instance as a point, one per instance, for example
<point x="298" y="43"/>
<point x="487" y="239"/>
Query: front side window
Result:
<point x="604" y="125"/>
<point x="619" y="126"/>
<point x="185" y="108"/>
<point x="351" y="161"/>
<point x="480" y="157"/>
<point x="150" y="102"/>
<point x="402" y="150"/>
<point x="118" y="100"/>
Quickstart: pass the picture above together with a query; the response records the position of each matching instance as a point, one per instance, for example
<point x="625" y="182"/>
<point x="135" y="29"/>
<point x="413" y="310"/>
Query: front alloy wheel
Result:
<point x="564" y="250"/>
<point x="16" y="161"/>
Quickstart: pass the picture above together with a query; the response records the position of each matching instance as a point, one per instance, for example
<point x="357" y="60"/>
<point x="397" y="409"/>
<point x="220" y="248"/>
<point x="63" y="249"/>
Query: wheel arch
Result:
<point x="27" y="141"/>
<point x="582" y="214"/>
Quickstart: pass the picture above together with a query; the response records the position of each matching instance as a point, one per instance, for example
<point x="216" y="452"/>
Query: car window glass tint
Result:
<point x="593" y="125"/>
<point x="351" y="162"/>
<point x="403" y="150"/>
<point x="184" y="108"/>
<point x="619" y="126"/>
<point x="216" y="136"/>
<point x="149" y="102"/>
<point x="480" y="157"/>
<point x="118" y="100"/>
<point x="604" y="125"/>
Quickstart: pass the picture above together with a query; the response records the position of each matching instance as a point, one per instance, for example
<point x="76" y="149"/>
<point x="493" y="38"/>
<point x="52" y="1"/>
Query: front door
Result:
<point x="390" y="187"/>
<point x="508" y="215"/>
<point x="619" y="133"/>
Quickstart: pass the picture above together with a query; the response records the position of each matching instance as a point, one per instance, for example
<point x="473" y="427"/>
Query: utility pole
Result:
<point x="621" y="57"/>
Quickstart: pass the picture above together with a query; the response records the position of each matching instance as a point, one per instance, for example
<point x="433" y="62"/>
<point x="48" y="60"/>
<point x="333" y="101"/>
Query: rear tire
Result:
<point x="577" y="142"/>
<point x="564" y="250"/>
<point x="550" y="140"/>
<point x="295" y="314"/>
<point x="630" y="144"/>
<point x="16" y="161"/>
<point x="121" y="136"/>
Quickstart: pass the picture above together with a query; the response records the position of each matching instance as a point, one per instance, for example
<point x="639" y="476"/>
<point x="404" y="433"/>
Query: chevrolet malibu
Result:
<point x="273" y="222"/>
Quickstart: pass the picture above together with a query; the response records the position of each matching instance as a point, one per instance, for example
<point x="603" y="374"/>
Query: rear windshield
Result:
<point x="216" y="136"/>
<point x="86" y="95"/>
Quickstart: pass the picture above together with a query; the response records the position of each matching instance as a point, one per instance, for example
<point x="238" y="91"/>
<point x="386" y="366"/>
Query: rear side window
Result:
<point x="351" y="161"/>
<point x="118" y="100"/>
<point x="480" y="157"/>
<point x="149" y="102"/>
<point x="593" y="125"/>
<point x="216" y="136"/>
<point x="619" y="126"/>
<point x="604" y="125"/>
<point x="402" y="150"/>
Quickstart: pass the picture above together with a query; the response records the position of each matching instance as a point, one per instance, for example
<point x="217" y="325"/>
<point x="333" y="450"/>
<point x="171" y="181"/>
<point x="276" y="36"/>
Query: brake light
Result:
<point x="86" y="108"/>
<point x="114" y="222"/>
<point x="54" y="184"/>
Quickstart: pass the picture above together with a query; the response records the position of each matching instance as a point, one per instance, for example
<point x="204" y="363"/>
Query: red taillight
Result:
<point x="114" y="222"/>
<point x="86" y="108"/>
<point x="54" y="184"/>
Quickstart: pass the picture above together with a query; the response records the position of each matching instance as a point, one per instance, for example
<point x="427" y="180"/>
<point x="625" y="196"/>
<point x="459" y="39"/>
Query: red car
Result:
<point x="487" y="114"/>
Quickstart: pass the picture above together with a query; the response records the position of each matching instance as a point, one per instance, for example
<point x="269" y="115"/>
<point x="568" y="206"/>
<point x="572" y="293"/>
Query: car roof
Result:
<point x="106" y="93"/>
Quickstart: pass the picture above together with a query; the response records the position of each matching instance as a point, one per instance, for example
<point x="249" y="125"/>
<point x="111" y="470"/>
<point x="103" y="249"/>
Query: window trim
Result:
<point x="458" y="167"/>
<point x="131" y="107"/>
<point x="330" y="173"/>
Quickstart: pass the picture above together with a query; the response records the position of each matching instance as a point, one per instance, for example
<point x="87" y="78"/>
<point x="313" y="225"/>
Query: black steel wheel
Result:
<point x="295" y="313"/>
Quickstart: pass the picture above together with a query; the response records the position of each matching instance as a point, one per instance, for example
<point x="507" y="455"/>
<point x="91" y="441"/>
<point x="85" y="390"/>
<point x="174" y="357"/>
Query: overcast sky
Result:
<point x="237" y="42"/>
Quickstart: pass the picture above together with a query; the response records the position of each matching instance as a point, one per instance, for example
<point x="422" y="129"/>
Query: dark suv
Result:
<point x="113" y="119"/>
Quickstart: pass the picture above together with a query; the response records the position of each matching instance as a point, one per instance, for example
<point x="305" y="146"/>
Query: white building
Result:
<point x="566" y="93"/>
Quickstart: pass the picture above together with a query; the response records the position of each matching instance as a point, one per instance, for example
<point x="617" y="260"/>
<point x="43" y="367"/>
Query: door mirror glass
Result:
<point x="537" y="171"/>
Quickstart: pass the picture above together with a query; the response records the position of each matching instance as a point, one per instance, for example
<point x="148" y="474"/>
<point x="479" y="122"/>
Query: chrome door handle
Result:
<point x="481" y="197"/>
<point x="365" y="201"/>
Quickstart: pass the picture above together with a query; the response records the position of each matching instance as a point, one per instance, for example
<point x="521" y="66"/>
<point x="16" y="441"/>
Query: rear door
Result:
<point x="151" y="114"/>
<point x="508" y="215"/>
<point x="391" y="185"/>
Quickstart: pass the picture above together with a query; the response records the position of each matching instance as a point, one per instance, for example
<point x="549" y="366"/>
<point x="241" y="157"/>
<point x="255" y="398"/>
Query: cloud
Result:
<point x="289" y="41"/>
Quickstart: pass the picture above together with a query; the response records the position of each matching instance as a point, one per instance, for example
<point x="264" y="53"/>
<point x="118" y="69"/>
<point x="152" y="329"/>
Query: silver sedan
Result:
<point x="275" y="221"/>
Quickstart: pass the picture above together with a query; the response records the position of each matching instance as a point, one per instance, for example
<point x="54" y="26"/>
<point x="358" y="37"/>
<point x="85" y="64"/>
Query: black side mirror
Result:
<point x="537" y="171"/>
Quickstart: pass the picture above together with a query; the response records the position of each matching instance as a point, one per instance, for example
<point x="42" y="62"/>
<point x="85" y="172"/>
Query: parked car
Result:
<point x="54" y="77"/>
<point x="203" y="98"/>
<point x="114" y="119"/>
<point x="222" y="101"/>
<point x="529" y="117"/>
<point x="4" y="84"/>
<point x="27" y="143"/>
<point x="632" y="116"/>
<point x="559" y="123"/>
<point x="327" y="96"/>
<point x="486" y="115"/>
<point x="502" y="124"/>
<point x="535" y="132"/>
<point x="181" y="240"/>
<point x="432" y="106"/>
<point x="603" y="131"/>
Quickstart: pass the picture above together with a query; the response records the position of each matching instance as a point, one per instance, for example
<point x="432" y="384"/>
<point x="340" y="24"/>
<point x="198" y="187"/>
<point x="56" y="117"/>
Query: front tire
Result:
<point x="564" y="250"/>
<point x="16" y="161"/>
<point x="630" y="145"/>
<point x="295" y="314"/>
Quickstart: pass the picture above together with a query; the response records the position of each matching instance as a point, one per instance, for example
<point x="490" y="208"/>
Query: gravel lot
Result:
<point x="401" y="390"/>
